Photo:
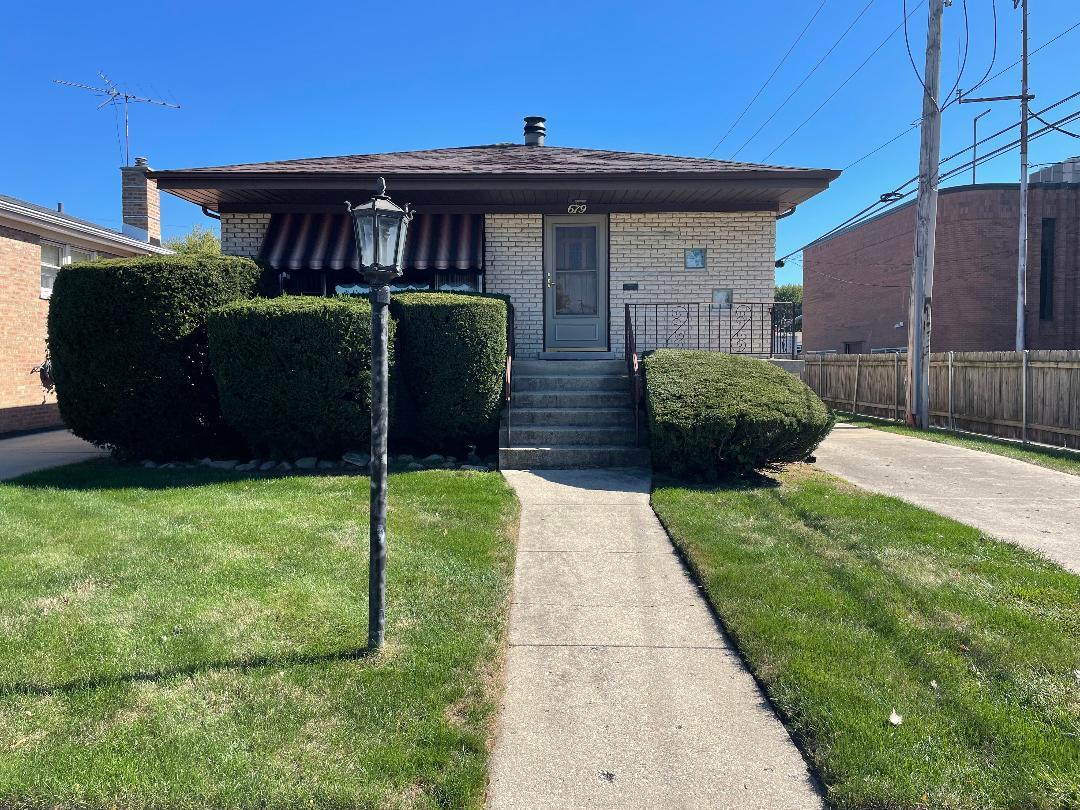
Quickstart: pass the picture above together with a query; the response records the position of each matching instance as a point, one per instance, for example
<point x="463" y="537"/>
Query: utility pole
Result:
<point x="1021" y="263"/>
<point x="1024" y="98"/>
<point x="922" y="266"/>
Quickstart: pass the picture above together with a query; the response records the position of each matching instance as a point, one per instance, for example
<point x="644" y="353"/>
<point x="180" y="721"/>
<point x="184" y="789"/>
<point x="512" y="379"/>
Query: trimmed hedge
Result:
<point x="713" y="414"/>
<point x="452" y="354"/>
<point x="294" y="373"/>
<point x="127" y="339"/>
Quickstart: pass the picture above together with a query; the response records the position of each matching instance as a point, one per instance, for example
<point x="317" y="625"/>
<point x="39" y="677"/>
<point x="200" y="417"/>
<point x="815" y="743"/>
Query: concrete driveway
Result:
<point x="39" y="451"/>
<point x="1030" y="506"/>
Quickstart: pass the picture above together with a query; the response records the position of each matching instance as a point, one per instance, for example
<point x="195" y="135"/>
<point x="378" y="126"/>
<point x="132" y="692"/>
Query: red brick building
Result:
<point x="34" y="243"/>
<point x="856" y="283"/>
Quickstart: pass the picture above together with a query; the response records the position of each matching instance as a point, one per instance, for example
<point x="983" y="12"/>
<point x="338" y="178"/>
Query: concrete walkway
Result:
<point x="39" y="451"/>
<point x="1030" y="506"/>
<point x="620" y="689"/>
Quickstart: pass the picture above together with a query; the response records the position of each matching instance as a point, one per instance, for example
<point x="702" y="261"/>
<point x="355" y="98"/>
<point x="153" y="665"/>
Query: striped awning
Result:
<point x="322" y="242"/>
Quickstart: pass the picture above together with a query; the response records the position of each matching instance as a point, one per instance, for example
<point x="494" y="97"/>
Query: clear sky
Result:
<point x="274" y="80"/>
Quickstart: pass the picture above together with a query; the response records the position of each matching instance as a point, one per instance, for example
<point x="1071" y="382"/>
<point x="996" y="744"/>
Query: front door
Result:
<point x="575" y="283"/>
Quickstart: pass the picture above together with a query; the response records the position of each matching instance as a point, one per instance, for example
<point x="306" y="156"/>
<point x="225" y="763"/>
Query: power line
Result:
<point x="851" y="76"/>
<point x="983" y="81"/>
<point x="766" y="82"/>
<point x="890" y="198"/>
<point x="805" y="79"/>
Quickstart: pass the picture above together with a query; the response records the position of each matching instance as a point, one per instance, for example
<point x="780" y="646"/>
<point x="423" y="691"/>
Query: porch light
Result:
<point x="379" y="227"/>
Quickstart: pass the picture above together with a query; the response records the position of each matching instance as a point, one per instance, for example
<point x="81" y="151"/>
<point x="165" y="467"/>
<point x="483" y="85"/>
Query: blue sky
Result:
<point x="266" y="81"/>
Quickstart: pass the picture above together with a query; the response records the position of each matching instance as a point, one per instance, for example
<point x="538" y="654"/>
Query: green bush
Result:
<point x="127" y="338"/>
<point x="294" y="373"/>
<point x="712" y="414"/>
<point x="452" y="354"/>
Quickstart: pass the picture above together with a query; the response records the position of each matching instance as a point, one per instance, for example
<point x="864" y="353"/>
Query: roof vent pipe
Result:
<point x="535" y="130"/>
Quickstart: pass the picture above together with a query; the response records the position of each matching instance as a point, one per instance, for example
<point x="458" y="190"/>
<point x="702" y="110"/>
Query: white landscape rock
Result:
<point x="433" y="459"/>
<point x="306" y="463"/>
<point x="247" y="466"/>
<point x="267" y="465"/>
<point x="414" y="465"/>
<point x="326" y="464"/>
<point x="224" y="464"/>
<point x="284" y="466"/>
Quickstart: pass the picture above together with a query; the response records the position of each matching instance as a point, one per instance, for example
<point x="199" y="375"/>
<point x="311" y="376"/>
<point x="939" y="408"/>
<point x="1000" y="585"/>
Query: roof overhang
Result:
<point x="263" y="191"/>
<point x="59" y="226"/>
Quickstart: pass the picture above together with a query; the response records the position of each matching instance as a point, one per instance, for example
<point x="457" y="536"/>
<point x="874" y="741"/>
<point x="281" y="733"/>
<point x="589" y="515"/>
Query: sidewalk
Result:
<point x="620" y="689"/>
<point x="38" y="451"/>
<point x="1012" y="500"/>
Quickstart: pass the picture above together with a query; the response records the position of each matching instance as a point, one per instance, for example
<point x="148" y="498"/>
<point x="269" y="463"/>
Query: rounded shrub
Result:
<point x="127" y="339"/>
<point x="452" y="355"/>
<point x="294" y="373"/>
<point x="714" y="414"/>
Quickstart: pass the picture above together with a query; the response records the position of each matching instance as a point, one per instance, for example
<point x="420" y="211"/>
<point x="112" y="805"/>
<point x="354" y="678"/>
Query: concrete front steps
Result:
<point x="570" y="414"/>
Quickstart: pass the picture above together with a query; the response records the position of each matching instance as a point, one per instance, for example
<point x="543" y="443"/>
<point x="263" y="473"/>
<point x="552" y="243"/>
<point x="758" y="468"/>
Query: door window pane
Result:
<point x="575" y="248"/>
<point x="575" y="292"/>
<point x="80" y="255"/>
<point x="576" y="274"/>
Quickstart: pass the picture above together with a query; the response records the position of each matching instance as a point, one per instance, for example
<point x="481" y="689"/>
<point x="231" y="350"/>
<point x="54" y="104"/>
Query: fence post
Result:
<point x="896" y="386"/>
<point x="855" y="393"/>
<point x="820" y="376"/>
<point x="1023" y="396"/>
<point x="952" y="423"/>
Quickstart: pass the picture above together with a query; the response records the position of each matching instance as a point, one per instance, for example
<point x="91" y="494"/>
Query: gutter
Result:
<point x="70" y="227"/>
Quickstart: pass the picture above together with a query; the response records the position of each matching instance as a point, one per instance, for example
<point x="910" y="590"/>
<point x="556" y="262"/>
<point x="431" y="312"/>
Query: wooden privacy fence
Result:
<point x="1032" y="396"/>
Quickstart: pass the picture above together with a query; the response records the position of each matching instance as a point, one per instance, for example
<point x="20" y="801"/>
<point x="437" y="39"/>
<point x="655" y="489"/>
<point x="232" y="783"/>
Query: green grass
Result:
<point x="195" y="638"/>
<point x="848" y="605"/>
<point x="1067" y="461"/>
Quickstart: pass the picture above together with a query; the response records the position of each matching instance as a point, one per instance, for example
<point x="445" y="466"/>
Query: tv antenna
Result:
<point x="114" y="95"/>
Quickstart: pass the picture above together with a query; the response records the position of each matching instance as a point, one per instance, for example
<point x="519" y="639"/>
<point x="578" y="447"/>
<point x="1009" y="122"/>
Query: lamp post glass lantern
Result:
<point x="380" y="228"/>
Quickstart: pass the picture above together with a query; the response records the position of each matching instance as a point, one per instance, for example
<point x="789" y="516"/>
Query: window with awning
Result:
<point x="316" y="253"/>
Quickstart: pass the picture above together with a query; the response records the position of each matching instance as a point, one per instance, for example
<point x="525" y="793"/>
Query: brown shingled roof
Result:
<point x="499" y="158"/>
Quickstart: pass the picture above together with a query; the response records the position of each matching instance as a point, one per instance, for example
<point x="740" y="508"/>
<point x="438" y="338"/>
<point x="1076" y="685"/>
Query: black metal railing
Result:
<point x="508" y="381"/>
<point x="763" y="328"/>
<point x="633" y="369"/>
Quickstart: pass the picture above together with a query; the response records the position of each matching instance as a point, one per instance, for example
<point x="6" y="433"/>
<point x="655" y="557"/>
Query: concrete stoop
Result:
<point x="567" y="414"/>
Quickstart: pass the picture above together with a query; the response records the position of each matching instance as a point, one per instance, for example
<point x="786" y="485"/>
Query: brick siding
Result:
<point x="974" y="275"/>
<point x="24" y="404"/>
<point x="514" y="266"/>
<point x="647" y="249"/>
<point x="242" y="234"/>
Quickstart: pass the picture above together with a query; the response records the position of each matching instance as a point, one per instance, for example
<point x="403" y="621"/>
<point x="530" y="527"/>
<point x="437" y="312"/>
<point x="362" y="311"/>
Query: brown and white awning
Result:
<point x="324" y="242"/>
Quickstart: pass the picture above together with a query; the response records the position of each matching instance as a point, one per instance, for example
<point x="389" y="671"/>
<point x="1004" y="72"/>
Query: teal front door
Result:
<point x="575" y="283"/>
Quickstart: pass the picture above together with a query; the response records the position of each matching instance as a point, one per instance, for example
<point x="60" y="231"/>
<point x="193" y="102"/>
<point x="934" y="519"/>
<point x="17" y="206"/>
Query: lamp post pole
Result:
<point x="380" y="408"/>
<point x="380" y="230"/>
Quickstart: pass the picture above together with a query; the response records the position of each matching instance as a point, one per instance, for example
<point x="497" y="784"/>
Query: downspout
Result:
<point x="784" y="215"/>
<point x="214" y="215"/>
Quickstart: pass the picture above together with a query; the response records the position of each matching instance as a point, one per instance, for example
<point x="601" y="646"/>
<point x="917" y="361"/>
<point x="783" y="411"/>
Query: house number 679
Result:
<point x="575" y="208"/>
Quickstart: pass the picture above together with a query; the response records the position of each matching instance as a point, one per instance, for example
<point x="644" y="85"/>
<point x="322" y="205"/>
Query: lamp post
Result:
<point x="379" y="227"/>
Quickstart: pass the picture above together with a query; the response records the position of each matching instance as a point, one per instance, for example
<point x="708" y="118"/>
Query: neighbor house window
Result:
<point x="694" y="258"/>
<point x="1046" y="270"/>
<point x="853" y="347"/>
<point x="53" y="257"/>
<point x="722" y="298"/>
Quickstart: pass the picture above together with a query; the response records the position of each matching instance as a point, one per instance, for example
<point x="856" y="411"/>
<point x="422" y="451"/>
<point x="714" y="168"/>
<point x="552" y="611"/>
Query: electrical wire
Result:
<point x="963" y="62"/>
<point x="890" y="198"/>
<point x="915" y="125"/>
<point x="766" y="82"/>
<point x="805" y="79"/>
<point x="851" y="76"/>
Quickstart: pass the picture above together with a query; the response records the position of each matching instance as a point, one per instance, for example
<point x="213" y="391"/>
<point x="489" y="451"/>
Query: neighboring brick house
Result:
<point x="856" y="283"/>
<point x="571" y="235"/>
<point x="34" y="243"/>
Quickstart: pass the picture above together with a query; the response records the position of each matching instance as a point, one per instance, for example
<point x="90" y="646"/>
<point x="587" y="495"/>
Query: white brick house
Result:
<point x="572" y="236"/>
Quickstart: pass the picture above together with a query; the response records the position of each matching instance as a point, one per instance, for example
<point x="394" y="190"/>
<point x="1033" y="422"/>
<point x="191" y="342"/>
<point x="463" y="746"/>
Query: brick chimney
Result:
<point x="141" y="203"/>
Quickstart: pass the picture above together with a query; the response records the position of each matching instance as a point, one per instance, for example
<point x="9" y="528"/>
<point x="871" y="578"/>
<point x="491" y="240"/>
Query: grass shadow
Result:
<point x="153" y="676"/>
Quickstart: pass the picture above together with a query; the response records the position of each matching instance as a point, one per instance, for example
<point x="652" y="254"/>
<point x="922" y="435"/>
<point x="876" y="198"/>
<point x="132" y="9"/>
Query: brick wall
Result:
<point x="242" y="234"/>
<point x="647" y="249"/>
<point x="974" y="276"/>
<point x="23" y="402"/>
<point x="514" y="266"/>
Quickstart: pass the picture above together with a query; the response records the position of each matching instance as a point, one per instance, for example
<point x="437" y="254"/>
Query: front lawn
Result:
<point x="849" y="605"/>
<point x="195" y="638"/>
<point x="1063" y="460"/>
